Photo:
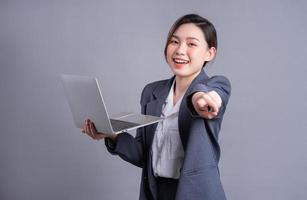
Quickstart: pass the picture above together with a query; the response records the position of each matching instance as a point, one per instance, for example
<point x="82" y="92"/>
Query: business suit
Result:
<point x="199" y="177"/>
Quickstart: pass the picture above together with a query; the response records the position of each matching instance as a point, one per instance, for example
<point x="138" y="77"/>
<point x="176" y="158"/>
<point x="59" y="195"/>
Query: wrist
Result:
<point x="113" y="137"/>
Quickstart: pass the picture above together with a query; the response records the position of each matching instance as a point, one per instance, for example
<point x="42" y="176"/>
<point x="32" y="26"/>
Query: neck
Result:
<point x="182" y="84"/>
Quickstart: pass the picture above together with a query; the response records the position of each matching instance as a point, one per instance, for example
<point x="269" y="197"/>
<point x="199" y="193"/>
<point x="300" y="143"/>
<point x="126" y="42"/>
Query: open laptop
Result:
<point x="86" y="102"/>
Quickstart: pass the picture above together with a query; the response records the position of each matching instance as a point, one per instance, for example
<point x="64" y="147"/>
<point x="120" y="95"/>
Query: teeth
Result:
<point x="180" y="61"/>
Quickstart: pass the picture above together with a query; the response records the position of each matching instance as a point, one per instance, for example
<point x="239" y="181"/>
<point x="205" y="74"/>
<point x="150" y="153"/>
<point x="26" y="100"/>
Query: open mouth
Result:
<point x="180" y="61"/>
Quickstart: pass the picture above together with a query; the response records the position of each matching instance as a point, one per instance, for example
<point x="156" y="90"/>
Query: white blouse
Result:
<point x="167" y="150"/>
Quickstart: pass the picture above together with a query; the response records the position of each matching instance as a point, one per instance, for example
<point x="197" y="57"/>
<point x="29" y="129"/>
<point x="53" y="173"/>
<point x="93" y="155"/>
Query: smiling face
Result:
<point x="187" y="51"/>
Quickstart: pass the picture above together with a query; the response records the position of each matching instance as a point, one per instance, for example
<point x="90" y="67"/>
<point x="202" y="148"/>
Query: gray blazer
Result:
<point x="199" y="178"/>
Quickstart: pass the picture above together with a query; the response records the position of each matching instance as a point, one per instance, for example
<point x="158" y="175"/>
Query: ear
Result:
<point x="210" y="54"/>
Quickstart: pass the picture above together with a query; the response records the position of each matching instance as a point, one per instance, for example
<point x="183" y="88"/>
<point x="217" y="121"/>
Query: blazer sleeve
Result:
<point x="219" y="84"/>
<point x="127" y="147"/>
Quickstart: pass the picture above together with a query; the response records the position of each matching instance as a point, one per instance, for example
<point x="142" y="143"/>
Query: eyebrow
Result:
<point x="189" y="38"/>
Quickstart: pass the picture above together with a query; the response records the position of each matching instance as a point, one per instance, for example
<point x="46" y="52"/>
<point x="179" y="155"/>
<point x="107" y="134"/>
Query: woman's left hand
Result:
<point x="207" y="105"/>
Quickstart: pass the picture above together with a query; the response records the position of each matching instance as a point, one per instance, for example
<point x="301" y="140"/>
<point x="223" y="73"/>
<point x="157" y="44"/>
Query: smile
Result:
<point x="180" y="61"/>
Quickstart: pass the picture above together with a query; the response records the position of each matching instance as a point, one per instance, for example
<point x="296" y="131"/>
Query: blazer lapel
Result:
<point x="183" y="117"/>
<point x="154" y="107"/>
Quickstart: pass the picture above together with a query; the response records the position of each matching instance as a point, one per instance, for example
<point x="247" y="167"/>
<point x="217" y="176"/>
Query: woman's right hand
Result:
<point x="207" y="105"/>
<point x="90" y="130"/>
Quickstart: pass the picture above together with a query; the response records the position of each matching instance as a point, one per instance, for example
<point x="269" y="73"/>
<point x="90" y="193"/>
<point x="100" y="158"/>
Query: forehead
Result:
<point x="189" y="30"/>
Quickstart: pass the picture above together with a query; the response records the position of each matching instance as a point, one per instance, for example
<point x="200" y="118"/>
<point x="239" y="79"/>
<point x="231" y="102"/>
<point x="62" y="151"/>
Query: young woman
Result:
<point x="179" y="156"/>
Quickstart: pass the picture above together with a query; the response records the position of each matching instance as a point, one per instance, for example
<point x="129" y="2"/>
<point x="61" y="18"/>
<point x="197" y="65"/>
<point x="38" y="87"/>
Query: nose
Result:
<point x="181" y="49"/>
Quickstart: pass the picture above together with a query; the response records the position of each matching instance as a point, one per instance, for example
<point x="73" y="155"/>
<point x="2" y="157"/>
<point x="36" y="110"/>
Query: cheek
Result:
<point x="191" y="52"/>
<point x="196" y="54"/>
<point x="169" y="52"/>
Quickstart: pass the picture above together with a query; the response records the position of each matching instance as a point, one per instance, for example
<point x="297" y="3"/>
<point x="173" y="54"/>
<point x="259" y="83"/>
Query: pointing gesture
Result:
<point x="207" y="105"/>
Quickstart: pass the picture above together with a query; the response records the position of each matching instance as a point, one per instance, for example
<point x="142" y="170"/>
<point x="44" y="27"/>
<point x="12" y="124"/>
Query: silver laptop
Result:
<point x="86" y="102"/>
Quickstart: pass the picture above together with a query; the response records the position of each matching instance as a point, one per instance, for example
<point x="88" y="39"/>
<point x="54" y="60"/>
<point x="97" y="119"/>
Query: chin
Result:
<point x="180" y="73"/>
<point x="185" y="74"/>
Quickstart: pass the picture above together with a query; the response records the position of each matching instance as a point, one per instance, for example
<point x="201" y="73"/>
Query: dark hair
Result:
<point x="205" y="26"/>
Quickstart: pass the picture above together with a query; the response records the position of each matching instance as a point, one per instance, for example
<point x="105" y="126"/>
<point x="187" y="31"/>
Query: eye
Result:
<point x="191" y="44"/>
<point x="173" y="41"/>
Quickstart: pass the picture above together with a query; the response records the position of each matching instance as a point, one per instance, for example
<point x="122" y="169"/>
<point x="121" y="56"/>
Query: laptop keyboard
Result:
<point x="119" y="125"/>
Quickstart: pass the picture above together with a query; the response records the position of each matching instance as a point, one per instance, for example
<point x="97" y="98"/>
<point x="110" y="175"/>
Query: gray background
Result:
<point x="262" y="50"/>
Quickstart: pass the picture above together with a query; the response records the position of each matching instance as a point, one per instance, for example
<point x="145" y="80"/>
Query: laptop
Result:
<point x="86" y="102"/>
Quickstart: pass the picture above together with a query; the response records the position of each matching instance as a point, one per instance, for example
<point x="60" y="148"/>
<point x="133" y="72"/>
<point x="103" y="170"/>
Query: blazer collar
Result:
<point x="160" y="94"/>
<point x="162" y="91"/>
<point x="200" y="78"/>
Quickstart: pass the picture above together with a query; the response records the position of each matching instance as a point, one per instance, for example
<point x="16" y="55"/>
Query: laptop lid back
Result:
<point x="86" y="102"/>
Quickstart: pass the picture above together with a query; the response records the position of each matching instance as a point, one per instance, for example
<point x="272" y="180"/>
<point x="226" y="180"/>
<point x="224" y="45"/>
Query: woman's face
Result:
<point x="188" y="50"/>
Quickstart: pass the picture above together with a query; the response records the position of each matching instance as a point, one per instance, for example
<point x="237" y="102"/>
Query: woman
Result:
<point x="179" y="156"/>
